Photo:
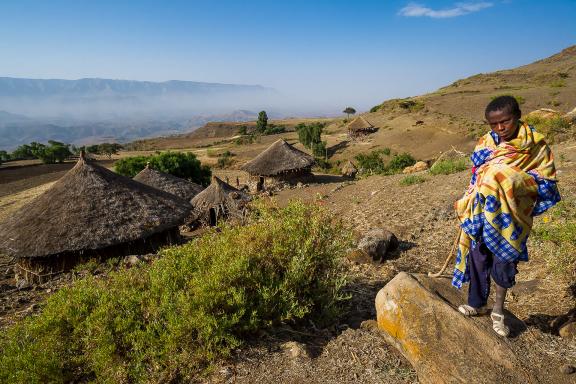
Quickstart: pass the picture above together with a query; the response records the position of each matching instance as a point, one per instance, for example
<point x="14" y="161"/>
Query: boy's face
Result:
<point x="503" y="123"/>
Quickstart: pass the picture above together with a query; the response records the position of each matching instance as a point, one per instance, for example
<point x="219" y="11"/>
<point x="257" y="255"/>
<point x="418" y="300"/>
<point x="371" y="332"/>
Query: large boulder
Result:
<point x="419" y="316"/>
<point x="349" y="170"/>
<point x="418" y="167"/>
<point x="544" y="113"/>
<point x="377" y="243"/>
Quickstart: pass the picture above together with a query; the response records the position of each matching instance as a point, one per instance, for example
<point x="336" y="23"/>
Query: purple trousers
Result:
<point x="482" y="265"/>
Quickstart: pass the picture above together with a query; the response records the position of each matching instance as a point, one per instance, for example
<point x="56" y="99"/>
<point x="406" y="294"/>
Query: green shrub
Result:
<point x="412" y="179"/>
<point x="168" y="321"/>
<point x="273" y="129"/>
<point x="446" y="167"/>
<point x="559" y="83"/>
<point x="399" y="162"/>
<point x="179" y="164"/>
<point x="376" y="108"/>
<point x="373" y="162"/>
<point x="411" y="105"/>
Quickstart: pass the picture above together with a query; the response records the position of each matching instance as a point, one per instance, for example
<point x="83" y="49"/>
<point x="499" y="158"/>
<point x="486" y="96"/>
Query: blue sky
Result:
<point x="331" y="53"/>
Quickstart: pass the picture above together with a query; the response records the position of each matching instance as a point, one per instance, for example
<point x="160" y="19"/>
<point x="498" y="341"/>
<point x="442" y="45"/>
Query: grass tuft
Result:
<point x="446" y="167"/>
<point x="412" y="179"/>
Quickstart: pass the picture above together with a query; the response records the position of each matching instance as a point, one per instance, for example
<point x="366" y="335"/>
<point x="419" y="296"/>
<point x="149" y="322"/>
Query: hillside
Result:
<point x="423" y="125"/>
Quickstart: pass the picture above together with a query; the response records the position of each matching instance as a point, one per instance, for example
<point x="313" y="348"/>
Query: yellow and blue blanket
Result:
<point x="511" y="182"/>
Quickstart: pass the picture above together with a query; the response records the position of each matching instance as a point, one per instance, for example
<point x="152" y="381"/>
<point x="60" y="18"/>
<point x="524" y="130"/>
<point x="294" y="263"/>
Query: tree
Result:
<point x="349" y="111"/>
<point x="310" y="136"/>
<point x="4" y="156"/>
<point x="243" y="130"/>
<point x="179" y="164"/>
<point x="262" y="122"/>
<point x="109" y="149"/>
<point x="52" y="153"/>
<point x="23" y="152"/>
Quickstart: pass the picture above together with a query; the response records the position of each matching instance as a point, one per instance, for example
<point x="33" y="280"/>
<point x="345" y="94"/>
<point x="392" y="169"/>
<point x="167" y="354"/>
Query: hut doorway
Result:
<point x="260" y="184"/>
<point x="212" y="217"/>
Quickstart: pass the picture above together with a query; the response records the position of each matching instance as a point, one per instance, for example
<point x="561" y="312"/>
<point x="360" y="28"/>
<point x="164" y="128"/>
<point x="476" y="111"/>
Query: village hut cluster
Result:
<point x="279" y="164"/>
<point x="94" y="213"/>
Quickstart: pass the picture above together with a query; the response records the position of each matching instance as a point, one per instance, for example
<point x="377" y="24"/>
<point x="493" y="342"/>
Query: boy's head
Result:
<point x="503" y="114"/>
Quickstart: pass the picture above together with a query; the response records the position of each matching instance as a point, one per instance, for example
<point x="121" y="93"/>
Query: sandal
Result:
<point x="467" y="310"/>
<point x="498" y="325"/>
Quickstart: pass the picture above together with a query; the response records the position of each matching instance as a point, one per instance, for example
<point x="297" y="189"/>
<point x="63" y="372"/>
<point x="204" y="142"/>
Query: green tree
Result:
<point x="262" y="122"/>
<point x="349" y="111"/>
<point x="52" y="153"/>
<point x="22" y="152"/>
<point x="109" y="149"/>
<point x="4" y="156"/>
<point x="179" y="164"/>
<point x="243" y="130"/>
<point x="95" y="149"/>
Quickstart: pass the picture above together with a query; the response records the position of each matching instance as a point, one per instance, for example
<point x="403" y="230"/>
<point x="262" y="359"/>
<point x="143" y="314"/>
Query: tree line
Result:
<point x="56" y="151"/>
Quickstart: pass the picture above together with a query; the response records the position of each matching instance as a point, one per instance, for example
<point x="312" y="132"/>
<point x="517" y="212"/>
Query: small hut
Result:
<point x="219" y="201"/>
<point x="360" y="127"/>
<point x="91" y="212"/>
<point x="280" y="162"/>
<point x="184" y="189"/>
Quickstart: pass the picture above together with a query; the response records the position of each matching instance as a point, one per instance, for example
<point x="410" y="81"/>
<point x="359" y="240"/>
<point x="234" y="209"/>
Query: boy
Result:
<point x="513" y="179"/>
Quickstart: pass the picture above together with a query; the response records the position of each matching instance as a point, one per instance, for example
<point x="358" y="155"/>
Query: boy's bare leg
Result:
<point x="499" y="300"/>
<point x="497" y="315"/>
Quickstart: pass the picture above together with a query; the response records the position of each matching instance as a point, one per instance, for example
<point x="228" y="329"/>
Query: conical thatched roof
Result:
<point x="89" y="208"/>
<point x="218" y="194"/>
<point x="278" y="158"/>
<point x="168" y="183"/>
<point x="359" y="123"/>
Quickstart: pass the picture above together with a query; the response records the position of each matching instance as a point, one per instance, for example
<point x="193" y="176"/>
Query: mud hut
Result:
<point x="91" y="212"/>
<point x="360" y="127"/>
<point x="184" y="189"/>
<point x="279" y="163"/>
<point x="219" y="201"/>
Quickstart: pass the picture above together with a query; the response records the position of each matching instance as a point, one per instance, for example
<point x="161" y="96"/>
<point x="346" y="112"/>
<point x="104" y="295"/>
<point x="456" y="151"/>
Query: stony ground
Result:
<point x="421" y="216"/>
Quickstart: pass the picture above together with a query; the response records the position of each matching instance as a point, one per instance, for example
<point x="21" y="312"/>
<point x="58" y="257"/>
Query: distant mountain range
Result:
<point x="95" y="110"/>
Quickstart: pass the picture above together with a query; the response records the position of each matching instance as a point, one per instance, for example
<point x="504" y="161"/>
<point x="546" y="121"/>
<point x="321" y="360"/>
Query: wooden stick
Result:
<point x="449" y="258"/>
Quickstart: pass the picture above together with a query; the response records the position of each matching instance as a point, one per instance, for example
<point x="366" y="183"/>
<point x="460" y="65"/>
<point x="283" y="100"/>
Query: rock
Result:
<point x="299" y="185"/>
<point x="295" y="350"/>
<point x="22" y="284"/>
<point x="132" y="260"/>
<point x="376" y="243"/>
<point x="418" y="167"/>
<point x="544" y="113"/>
<point x="418" y="316"/>
<point x="568" y="331"/>
<point x="349" y="170"/>
<point x="571" y="116"/>
<point x="568" y="369"/>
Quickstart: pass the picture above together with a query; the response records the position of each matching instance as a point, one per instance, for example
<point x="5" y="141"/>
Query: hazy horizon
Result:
<point x="321" y="55"/>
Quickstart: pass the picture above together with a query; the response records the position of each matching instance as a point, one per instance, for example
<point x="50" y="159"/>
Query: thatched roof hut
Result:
<point x="219" y="200"/>
<point x="278" y="158"/>
<point x="91" y="212"/>
<point x="360" y="126"/>
<point x="184" y="189"/>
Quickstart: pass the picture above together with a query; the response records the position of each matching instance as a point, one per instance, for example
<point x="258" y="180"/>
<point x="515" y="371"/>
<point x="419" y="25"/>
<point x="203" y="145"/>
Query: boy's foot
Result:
<point x="498" y="324"/>
<point x="467" y="310"/>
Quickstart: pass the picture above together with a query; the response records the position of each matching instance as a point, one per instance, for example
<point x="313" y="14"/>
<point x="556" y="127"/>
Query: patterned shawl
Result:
<point x="511" y="182"/>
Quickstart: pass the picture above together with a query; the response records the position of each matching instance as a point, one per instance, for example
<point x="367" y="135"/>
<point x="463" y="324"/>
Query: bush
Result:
<point x="559" y="83"/>
<point x="412" y="179"/>
<point x="399" y="162"/>
<point x="225" y="159"/>
<point x="375" y="108"/>
<point x="411" y="105"/>
<point x="449" y="166"/>
<point x="374" y="163"/>
<point x="179" y="164"/>
<point x="273" y="129"/>
<point x="168" y="321"/>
